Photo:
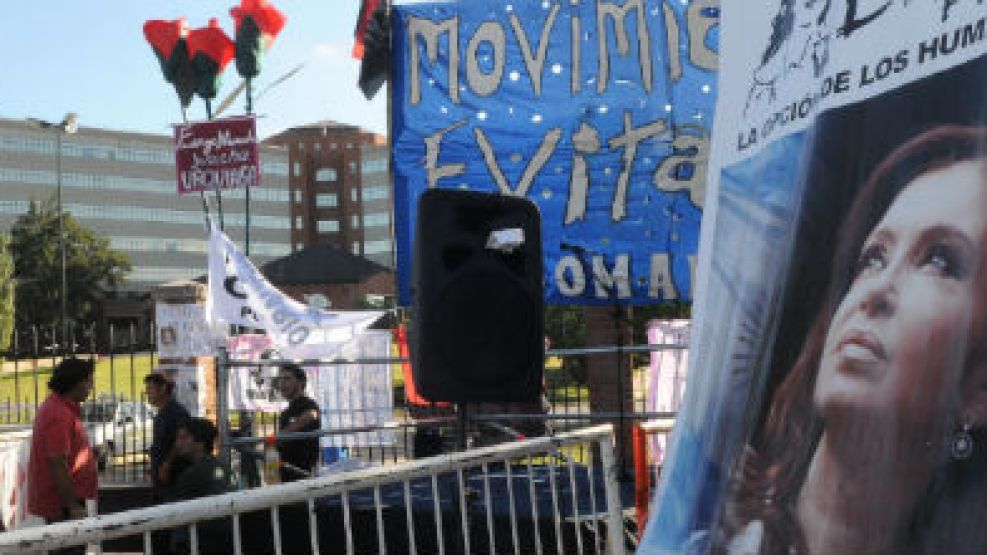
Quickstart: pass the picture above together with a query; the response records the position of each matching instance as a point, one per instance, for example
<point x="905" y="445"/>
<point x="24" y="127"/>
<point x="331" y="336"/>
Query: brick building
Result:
<point x="340" y="191"/>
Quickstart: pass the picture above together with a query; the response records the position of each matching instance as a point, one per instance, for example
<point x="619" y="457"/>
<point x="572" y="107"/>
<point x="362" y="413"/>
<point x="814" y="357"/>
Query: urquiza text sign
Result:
<point x="597" y="110"/>
<point x="217" y="155"/>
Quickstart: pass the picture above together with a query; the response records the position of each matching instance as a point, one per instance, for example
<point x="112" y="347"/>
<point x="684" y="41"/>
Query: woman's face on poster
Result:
<point x="897" y="343"/>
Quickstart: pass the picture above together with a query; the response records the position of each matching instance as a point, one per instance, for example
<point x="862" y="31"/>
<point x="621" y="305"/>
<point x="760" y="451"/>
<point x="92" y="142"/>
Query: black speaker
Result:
<point x="477" y="331"/>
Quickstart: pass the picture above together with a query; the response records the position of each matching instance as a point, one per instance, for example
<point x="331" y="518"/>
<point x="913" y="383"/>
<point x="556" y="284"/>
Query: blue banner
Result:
<point x="599" y="111"/>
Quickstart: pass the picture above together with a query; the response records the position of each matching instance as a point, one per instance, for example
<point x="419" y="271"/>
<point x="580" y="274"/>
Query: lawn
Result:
<point x="121" y="374"/>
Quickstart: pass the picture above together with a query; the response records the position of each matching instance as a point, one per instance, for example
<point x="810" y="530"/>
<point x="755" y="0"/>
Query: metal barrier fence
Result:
<point x="531" y="496"/>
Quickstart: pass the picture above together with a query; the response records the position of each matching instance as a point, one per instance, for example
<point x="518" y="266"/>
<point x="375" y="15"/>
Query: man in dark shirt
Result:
<point x="165" y="464"/>
<point x="302" y="415"/>
<point x="204" y="475"/>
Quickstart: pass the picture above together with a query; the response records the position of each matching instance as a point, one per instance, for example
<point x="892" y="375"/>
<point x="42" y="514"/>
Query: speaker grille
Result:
<point x="496" y="348"/>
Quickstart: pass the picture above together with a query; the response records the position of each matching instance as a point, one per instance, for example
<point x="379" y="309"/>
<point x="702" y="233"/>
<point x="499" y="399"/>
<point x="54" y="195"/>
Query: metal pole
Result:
<point x="246" y="223"/>
<point x="618" y="320"/>
<point x="611" y="479"/>
<point x="246" y="208"/>
<point x="222" y="406"/>
<point x="61" y="233"/>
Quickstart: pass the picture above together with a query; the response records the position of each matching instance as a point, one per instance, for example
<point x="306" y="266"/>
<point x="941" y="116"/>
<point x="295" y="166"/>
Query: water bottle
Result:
<point x="272" y="462"/>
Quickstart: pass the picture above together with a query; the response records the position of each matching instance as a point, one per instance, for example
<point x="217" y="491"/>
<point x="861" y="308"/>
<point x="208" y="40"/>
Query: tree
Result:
<point x="6" y="292"/>
<point x="91" y="267"/>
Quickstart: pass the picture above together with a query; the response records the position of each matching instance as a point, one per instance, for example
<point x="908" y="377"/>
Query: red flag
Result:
<point x="212" y="42"/>
<point x="268" y="19"/>
<point x="164" y="35"/>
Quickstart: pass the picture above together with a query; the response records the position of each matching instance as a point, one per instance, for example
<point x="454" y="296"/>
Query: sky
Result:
<point x="59" y="56"/>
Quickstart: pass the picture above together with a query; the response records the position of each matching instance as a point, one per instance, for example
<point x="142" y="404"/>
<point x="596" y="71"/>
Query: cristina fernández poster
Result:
<point x="838" y="402"/>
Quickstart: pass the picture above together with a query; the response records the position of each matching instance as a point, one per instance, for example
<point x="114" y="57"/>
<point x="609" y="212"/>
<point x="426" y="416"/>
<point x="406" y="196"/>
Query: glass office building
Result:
<point x="122" y="185"/>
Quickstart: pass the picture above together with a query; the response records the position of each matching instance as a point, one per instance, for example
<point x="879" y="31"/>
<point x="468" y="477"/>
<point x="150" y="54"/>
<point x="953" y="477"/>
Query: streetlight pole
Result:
<point x="68" y="126"/>
<point x="61" y="236"/>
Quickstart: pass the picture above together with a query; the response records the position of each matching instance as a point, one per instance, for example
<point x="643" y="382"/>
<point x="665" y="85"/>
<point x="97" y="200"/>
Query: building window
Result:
<point x="353" y="195"/>
<point x="377" y="219"/>
<point x="356" y="247"/>
<point x="273" y="168"/>
<point x="318" y="146"/>
<point x="298" y="222"/>
<point x="326" y="200"/>
<point x="297" y="168"/>
<point x="352" y="166"/>
<point x="298" y="195"/>
<point x="301" y="147"/>
<point x="325" y="175"/>
<point x="355" y="221"/>
<point x="298" y="246"/>
<point x="332" y="146"/>
<point x="328" y="226"/>
<point x="373" y="166"/>
<point x="378" y="247"/>
<point x="375" y="193"/>
<point x="349" y="146"/>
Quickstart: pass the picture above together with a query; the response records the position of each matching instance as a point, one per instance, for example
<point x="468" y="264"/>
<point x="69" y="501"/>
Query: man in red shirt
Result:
<point x="62" y="472"/>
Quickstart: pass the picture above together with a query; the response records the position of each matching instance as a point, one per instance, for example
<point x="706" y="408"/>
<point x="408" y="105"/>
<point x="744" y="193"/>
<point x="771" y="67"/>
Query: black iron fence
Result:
<point x="119" y="419"/>
<point x="117" y="416"/>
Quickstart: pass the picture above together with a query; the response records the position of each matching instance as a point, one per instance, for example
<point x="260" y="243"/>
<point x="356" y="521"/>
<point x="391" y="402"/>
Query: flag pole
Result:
<point x="246" y="236"/>
<point x="202" y="194"/>
<point x="219" y="193"/>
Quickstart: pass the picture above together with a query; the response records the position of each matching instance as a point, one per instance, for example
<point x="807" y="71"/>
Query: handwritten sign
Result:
<point x="216" y="155"/>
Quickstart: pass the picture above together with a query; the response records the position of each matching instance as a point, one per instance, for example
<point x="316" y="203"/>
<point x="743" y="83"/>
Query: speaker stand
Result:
<point x="462" y="425"/>
<point x="619" y="320"/>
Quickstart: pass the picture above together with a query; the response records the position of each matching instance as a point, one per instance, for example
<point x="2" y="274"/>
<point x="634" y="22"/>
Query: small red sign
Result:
<point x="218" y="154"/>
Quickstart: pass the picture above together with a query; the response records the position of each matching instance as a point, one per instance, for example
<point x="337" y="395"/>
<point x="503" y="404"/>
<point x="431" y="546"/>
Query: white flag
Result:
<point x="240" y="295"/>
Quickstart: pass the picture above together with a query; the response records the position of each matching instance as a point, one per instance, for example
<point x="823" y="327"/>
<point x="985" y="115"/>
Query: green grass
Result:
<point x="121" y="374"/>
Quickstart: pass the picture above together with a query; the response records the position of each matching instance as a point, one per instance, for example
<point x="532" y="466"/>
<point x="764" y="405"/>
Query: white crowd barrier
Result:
<point x="540" y="474"/>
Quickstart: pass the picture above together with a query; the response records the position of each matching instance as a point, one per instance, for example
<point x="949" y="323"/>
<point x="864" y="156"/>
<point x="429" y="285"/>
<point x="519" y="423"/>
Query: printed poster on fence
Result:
<point x="217" y="155"/>
<point x="182" y="331"/>
<point x="836" y="402"/>
<point x="188" y="390"/>
<point x="254" y="387"/>
<point x="599" y="111"/>
<point x="350" y="395"/>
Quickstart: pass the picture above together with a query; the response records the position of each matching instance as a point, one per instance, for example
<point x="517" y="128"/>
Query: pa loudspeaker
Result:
<point x="477" y="330"/>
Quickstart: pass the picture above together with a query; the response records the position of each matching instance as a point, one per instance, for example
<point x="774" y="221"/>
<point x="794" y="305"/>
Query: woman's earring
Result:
<point x="962" y="446"/>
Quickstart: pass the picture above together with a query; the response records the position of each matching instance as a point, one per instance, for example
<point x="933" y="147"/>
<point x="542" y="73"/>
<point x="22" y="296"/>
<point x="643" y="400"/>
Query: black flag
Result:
<point x="373" y="45"/>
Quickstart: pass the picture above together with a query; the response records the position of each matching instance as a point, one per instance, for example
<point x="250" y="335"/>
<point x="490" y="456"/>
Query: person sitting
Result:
<point x="194" y="442"/>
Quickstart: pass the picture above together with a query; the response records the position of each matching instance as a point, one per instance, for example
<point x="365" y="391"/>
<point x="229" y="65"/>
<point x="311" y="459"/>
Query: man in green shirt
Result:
<point x="204" y="476"/>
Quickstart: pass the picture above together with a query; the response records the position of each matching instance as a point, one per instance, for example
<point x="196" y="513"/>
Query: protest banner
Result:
<point x="238" y="294"/>
<point x="598" y="111"/>
<point x="835" y="401"/>
<point x="358" y="395"/>
<point x="349" y="395"/>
